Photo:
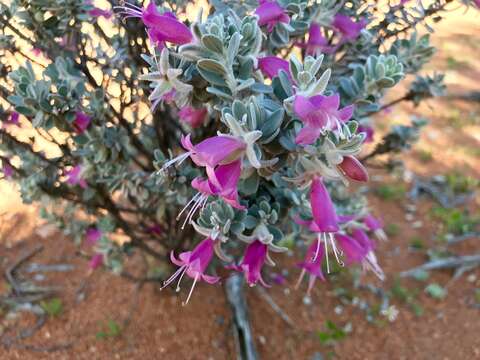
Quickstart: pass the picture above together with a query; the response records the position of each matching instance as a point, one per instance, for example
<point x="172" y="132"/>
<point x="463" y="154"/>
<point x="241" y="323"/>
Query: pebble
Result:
<point x="338" y="309"/>
<point x="409" y="217"/>
<point x="286" y="291"/>
<point x="472" y="278"/>
<point x="411" y="208"/>
<point x="417" y="224"/>
<point x="262" y="339"/>
<point x="307" y="300"/>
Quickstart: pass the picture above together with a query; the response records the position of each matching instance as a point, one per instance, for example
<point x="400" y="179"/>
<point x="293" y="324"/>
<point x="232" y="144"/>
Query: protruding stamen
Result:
<point x="191" y="290"/>
<point x="187" y="205"/>
<point x="300" y="278"/>
<point x="177" y="289"/>
<point x="173" y="277"/>
<point x="324" y="236"/>
<point x="179" y="159"/>
<point x="336" y="252"/>
<point x="317" y="250"/>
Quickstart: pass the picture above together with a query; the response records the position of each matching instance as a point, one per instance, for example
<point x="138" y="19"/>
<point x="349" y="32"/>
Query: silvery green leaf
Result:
<point x="273" y="123"/>
<point x="245" y="84"/>
<point x="285" y="82"/>
<point x="261" y="88"/>
<point x="233" y="47"/>
<point x="212" y="43"/>
<point x="212" y="78"/>
<point x="211" y="65"/>
<point x="218" y="92"/>
<point x="249" y="186"/>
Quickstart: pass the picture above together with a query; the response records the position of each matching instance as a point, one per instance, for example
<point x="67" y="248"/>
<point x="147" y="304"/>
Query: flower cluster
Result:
<point x="258" y="115"/>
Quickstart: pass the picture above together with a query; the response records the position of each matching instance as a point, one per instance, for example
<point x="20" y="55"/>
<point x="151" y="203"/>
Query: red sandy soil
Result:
<point x="156" y="326"/>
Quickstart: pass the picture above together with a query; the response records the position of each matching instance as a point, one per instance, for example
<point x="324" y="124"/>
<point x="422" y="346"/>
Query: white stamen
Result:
<point x="177" y="289"/>
<point x="173" y="277"/>
<point x="187" y="205"/>
<point x="191" y="290"/>
<point x="336" y="252"/>
<point x="300" y="278"/>
<point x="317" y="250"/>
<point x="193" y="210"/>
<point x="179" y="159"/>
<point x="324" y="236"/>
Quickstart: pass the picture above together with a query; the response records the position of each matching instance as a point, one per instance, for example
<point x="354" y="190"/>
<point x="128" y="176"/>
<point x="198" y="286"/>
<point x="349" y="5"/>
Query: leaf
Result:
<point x="436" y="291"/>
<point x="212" y="43"/>
<point x="211" y="77"/>
<point x="212" y="66"/>
<point x="233" y="47"/>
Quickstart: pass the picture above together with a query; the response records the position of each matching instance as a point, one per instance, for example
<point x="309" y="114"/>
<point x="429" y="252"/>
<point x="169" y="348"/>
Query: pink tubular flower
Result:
<point x="193" y="263"/>
<point x="193" y="117"/>
<point x="221" y="182"/>
<point x="13" y="119"/>
<point x="252" y="263"/>
<point x="270" y="14"/>
<point x="375" y="225"/>
<point x="7" y="170"/>
<point x="369" y="262"/>
<point x="156" y="229"/>
<point x="317" y="43"/>
<point x="74" y="177"/>
<point x="319" y="113"/>
<point x="81" y="122"/>
<point x="97" y="12"/>
<point x="96" y="261"/>
<point x="347" y="27"/>
<point x="369" y="132"/>
<point x="325" y="219"/>
<point x="311" y="265"/>
<point x="161" y="28"/>
<point x="353" y="168"/>
<point x="354" y="252"/>
<point x="213" y="151"/>
<point x="92" y="236"/>
<point x="271" y="65"/>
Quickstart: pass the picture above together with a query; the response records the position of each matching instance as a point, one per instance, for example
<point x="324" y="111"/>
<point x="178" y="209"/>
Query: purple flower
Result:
<point x="161" y="28"/>
<point x="312" y="265"/>
<point x="323" y="211"/>
<point x="270" y="14"/>
<point x="92" y="236"/>
<point x="319" y="113"/>
<point x="13" y="119"/>
<point x="215" y="150"/>
<point x="7" y="170"/>
<point x="156" y="229"/>
<point x="97" y="12"/>
<point x="193" y="263"/>
<point x="222" y="182"/>
<point x="370" y="260"/>
<point x="353" y="168"/>
<point x="354" y="252"/>
<point x="81" y="122"/>
<point x="347" y="27"/>
<point x="369" y="132"/>
<point x="95" y="261"/>
<point x="37" y="52"/>
<point x="74" y="176"/>
<point x="317" y="43"/>
<point x="325" y="218"/>
<point x="193" y="117"/>
<point x="375" y="225"/>
<point x="169" y="97"/>
<point x="477" y="3"/>
<point x="271" y="65"/>
<point x="252" y="262"/>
